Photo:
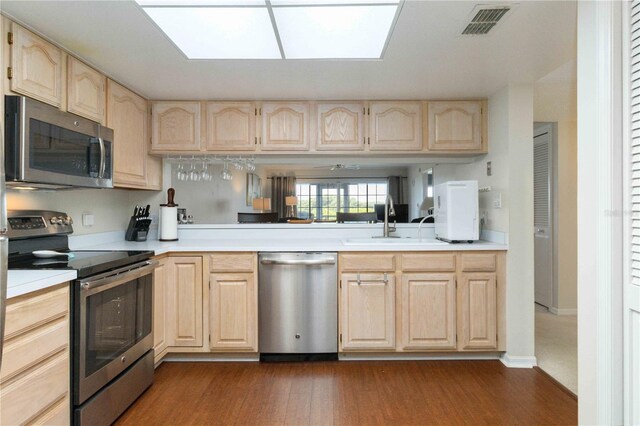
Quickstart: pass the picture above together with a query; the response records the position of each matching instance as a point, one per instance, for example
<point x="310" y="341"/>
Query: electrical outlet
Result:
<point x="497" y="201"/>
<point x="88" y="219"/>
<point x="488" y="168"/>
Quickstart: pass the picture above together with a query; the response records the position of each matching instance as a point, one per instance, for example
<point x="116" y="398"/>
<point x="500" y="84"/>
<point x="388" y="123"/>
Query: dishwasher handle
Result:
<point x="304" y="262"/>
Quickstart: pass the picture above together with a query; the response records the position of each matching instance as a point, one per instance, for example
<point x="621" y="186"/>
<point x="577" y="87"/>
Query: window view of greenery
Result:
<point x="321" y="200"/>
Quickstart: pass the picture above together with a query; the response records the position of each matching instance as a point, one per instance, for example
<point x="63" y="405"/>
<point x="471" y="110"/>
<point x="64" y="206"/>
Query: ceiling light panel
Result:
<point x="218" y="32"/>
<point x="330" y="2"/>
<point x="187" y="3"/>
<point x="334" y="32"/>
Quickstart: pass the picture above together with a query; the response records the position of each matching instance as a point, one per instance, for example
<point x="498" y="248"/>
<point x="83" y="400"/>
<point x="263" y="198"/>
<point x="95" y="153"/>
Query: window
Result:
<point x="321" y="200"/>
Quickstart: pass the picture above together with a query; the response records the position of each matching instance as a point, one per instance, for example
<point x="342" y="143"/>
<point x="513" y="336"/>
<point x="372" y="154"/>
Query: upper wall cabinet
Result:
<point x="455" y="126"/>
<point x="176" y="126"/>
<point x="285" y="127"/>
<point x="86" y="89"/>
<point x="340" y="127"/>
<point x="128" y="117"/>
<point x="37" y="67"/>
<point x="231" y="126"/>
<point x="395" y="126"/>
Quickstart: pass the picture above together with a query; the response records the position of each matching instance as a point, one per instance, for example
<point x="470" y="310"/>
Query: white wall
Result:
<point x="555" y="100"/>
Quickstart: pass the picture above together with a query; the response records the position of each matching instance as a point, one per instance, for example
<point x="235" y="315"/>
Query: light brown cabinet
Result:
<point x="428" y="311"/>
<point x="35" y="378"/>
<point x="184" y="302"/>
<point x="86" y="90"/>
<point x="367" y="311"/>
<point x="477" y="322"/>
<point x="127" y="115"/>
<point x="395" y="126"/>
<point x="233" y="307"/>
<point x="160" y="296"/>
<point x="231" y="126"/>
<point x="285" y="126"/>
<point x="176" y="126"/>
<point x="36" y="67"/>
<point x="340" y="126"/>
<point x="455" y="126"/>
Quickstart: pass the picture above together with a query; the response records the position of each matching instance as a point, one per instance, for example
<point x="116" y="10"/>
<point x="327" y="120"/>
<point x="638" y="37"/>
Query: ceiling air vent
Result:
<point x="484" y="19"/>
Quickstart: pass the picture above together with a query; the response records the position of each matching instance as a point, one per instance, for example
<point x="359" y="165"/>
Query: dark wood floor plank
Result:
<point x="350" y="393"/>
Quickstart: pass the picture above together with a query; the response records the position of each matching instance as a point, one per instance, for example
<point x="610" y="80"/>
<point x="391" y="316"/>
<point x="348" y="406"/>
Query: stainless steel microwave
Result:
<point x="52" y="149"/>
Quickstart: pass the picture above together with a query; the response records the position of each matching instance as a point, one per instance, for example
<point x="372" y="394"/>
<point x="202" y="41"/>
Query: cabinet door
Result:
<point x="285" y="127"/>
<point x="455" y="126"/>
<point x="160" y="289"/>
<point x="184" y="304"/>
<point x="127" y="116"/>
<point x="233" y="307"/>
<point x="368" y="311"/>
<point x="231" y="126"/>
<point x="395" y="126"/>
<point x="477" y="311"/>
<point x="37" y="67"/>
<point x="428" y="311"/>
<point x="340" y="127"/>
<point x="176" y="126"/>
<point x="86" y="89"/>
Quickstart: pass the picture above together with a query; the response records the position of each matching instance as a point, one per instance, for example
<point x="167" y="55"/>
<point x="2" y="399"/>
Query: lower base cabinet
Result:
<point x="428" y="311"/>
<point x="477" y="311"/>
<point x="233" y="320"/>
<point x="35" y="378"/>
<point x="160" y="297"/>
<point x="368" y="311"/>
<point x="184" y="301"/>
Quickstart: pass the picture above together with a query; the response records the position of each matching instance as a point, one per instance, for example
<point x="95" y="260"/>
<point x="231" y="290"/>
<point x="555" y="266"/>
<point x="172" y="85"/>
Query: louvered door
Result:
<point x="632" y="282"/>
<point x="542" y="219"/>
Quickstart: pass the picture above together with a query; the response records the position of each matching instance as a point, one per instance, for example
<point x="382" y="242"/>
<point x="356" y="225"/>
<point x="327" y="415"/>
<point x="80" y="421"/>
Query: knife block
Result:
<point x="138" y="229"/>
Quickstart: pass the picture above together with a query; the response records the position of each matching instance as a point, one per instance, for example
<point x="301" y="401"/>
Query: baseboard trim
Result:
<point x="563" y="311"/>
<point x="557" y="383"/>
<point x="407" y="356"/>
<point x="518" y="361"/>
<point x="210" y="357"/>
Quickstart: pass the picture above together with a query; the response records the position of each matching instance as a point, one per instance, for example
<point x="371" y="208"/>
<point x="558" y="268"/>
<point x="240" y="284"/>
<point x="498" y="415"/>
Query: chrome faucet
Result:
<point x="389" y="210"/>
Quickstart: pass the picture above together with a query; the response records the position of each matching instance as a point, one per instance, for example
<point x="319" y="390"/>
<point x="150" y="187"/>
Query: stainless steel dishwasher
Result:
<point x="298" y="306"/>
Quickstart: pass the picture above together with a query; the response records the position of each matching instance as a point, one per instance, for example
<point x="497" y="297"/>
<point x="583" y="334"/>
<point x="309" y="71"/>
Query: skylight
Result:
<point x="276" y="29"/>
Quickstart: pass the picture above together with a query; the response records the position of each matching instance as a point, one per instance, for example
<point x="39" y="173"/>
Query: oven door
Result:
<point x="112" y="325"/>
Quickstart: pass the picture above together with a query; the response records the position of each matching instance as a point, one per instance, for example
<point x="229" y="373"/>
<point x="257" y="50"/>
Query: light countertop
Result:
<point x="22" y="282"/>
<point x="298" y="244"/>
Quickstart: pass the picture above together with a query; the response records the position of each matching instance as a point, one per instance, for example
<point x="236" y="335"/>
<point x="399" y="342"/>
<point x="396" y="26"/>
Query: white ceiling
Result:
<point x="426" y="57"/>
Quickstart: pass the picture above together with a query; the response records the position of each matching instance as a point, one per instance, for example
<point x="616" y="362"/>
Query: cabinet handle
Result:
<point x="384" y="280"/>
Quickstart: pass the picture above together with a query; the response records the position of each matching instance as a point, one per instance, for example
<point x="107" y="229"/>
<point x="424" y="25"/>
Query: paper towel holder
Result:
<point x="169" y="218"/>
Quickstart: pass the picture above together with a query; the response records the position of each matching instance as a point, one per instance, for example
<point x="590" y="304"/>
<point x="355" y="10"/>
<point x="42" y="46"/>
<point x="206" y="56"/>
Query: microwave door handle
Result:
<point x="103" y="159"/>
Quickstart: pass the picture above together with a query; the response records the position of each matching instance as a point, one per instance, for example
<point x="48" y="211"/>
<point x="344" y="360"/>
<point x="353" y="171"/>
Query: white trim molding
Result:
<point x="518" y="361"/>
<point x="600" y="232"/>
<point x="563" y="311"/>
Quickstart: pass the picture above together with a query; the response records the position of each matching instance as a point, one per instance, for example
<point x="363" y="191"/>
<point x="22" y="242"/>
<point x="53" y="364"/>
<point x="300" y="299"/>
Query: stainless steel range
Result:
<point x="112" y="307"/>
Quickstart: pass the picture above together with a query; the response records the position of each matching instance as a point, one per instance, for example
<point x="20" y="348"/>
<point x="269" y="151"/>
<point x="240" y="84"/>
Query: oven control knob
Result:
<point x="59" y="220"/>
<point x="53" y="220"/>
<point x="123" y="359"/>
<point x="67" y="220"/>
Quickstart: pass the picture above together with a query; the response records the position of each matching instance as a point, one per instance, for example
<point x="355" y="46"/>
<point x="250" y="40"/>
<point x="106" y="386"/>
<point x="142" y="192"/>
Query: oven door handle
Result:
<point x="111" y="279"/>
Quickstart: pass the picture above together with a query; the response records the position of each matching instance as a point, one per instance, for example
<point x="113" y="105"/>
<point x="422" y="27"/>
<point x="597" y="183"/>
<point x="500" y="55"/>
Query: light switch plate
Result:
<point x="497" y="201"/>
<point x="488" y="168"/>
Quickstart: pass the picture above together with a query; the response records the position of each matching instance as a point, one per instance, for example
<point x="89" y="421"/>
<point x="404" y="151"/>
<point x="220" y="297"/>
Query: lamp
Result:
<point x="291" y="202"/>
<point x="262" y="204"/>
<point x="427" y="204"/>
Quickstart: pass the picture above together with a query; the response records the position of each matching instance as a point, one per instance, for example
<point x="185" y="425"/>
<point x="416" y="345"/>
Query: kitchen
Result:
<point x="215" y="287"/>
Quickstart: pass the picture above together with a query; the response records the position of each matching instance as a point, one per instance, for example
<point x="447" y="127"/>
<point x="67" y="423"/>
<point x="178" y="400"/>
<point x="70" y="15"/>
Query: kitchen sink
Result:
<point x="393" y="241"/>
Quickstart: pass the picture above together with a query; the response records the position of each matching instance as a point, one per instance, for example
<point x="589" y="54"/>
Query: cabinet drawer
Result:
<point x="368" y="262"/>
<point x="26" y="350"/>
<point x="32" y="395"/>
<point x="232" y="262"/>
<point x="445" y="262"/>
<point x="478" y="262"/>
<point x="30" y="311"/>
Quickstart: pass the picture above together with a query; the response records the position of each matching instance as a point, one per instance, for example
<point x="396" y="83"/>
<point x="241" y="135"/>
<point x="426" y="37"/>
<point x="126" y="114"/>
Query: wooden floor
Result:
<point x="350" y="393"/>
